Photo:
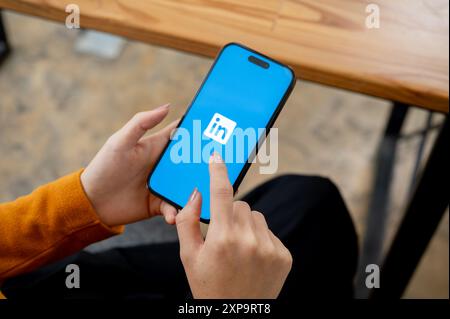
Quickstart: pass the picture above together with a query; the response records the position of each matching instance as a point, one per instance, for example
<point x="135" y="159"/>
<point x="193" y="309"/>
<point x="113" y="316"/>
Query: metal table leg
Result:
<point x="379" y="202"/>
<point x="422" y="217"/>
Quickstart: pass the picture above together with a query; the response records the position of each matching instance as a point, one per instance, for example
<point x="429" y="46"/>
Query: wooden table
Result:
<point x="325" y="41"/>
<point x="406" y="60"/>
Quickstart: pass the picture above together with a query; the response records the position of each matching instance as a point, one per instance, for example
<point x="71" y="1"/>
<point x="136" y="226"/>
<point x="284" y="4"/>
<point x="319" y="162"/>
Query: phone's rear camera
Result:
<point x="258" y="62"/>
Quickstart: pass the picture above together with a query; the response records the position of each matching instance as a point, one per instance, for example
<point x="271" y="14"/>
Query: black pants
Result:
<point x="307" y="213"/>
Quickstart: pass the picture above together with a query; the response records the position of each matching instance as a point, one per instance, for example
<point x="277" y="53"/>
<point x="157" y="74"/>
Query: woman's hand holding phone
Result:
<point x="115" y="180"/>
<point x="240" y="257"/>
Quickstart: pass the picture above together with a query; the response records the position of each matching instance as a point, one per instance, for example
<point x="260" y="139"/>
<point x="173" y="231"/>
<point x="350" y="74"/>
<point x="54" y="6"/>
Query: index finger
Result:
<point x="221" y="191"/>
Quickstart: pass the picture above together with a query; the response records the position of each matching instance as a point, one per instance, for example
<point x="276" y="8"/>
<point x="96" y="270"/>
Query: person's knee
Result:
<point x="308" y="185"/>
<point x="314" y="195"/>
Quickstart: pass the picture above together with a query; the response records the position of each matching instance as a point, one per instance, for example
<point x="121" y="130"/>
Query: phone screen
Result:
<point x="240" y="98"/>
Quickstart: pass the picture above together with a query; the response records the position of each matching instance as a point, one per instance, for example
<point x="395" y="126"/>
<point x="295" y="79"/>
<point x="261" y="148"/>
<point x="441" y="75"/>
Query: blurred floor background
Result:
<point x="58" y="107"/>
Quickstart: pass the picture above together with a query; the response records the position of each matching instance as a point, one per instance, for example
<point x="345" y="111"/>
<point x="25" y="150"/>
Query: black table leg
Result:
<point x="379" y="202"/>
<point x="4" y="45"/>
<point x="422" y="217"/>
<point x="420" y="150"/>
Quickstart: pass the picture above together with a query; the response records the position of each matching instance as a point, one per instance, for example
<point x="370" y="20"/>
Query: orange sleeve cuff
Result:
<point x="54" y="221"/>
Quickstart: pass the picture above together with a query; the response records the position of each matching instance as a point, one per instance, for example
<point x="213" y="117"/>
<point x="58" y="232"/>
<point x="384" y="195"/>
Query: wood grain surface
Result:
<point x="325" y="41"/>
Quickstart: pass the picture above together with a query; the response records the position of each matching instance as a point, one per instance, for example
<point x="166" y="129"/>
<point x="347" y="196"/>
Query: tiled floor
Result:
<point x="57" y="107"/>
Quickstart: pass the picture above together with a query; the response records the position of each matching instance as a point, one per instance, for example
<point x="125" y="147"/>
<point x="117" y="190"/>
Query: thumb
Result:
<point x="130" y="134"/>
<point x="188" y="225"/>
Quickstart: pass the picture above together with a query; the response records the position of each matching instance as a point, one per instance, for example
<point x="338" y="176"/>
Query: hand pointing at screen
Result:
<point x="240" y="257"/>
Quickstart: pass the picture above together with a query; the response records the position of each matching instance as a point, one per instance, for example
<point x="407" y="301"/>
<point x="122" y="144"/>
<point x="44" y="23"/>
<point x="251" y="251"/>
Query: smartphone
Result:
<point x="236" y="105"/>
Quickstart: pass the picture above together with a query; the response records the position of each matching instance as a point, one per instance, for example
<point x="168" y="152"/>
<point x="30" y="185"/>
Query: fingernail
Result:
<point x="216" y="158"/>
<point x="165" y="106"/>
<point x="193" y="195"/>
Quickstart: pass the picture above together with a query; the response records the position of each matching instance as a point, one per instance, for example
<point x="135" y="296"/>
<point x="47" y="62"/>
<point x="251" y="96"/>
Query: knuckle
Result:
<point x="251" y="245"/>
<point x="138" y="115"/>
<point x="272" y="251"/>
<point x="258" y="215"/>
<point x="289" y="257"/>
<point x="286" y="258"/>
<point x="224" y="241"/>
<point x="111" y="140"/>
<point x="290" y="261"/>
<point x="268" y="251"/>
<point x="241" y="206"/>
<point x="113" y="143"/>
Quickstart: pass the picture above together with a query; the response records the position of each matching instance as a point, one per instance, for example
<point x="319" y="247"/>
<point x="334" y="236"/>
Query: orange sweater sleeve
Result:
<point x="52" y="222"/>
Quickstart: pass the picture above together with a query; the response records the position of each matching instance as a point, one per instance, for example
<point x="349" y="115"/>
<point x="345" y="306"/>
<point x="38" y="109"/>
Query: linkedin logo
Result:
<point x="220" y="128"/>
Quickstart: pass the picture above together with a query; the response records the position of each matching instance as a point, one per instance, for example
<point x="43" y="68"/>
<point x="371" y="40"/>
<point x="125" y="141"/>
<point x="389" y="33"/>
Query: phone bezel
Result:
<point x="255" y="150"/>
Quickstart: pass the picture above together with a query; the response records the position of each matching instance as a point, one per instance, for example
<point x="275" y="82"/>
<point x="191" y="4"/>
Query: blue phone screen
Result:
<point x="228" y="115"/>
